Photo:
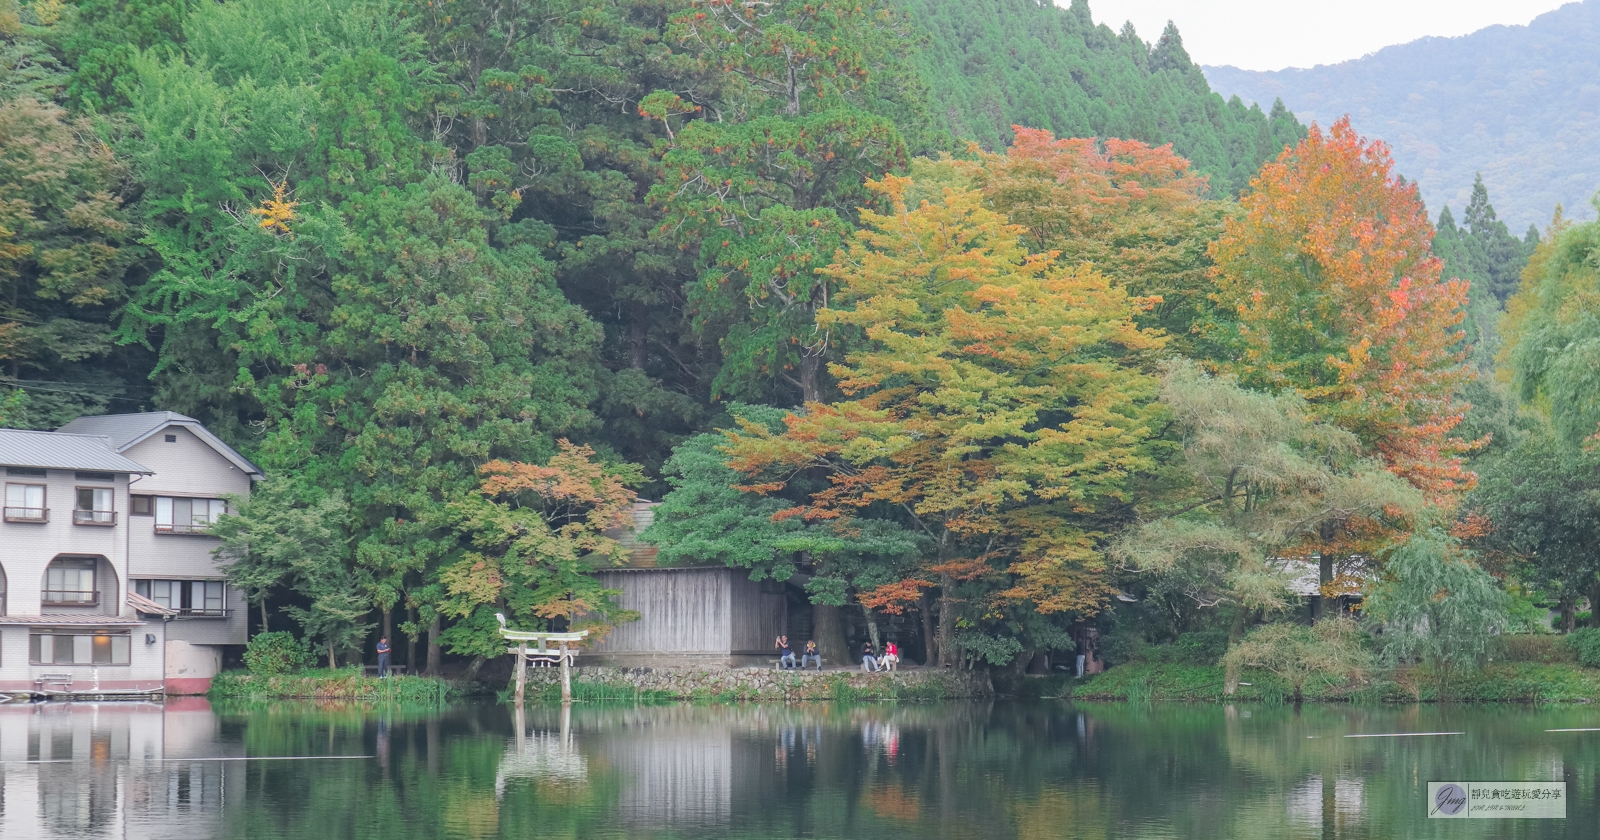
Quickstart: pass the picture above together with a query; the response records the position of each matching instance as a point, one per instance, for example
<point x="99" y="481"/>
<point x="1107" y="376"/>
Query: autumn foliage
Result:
<point x="1327" y="287"/>
<point x="995" y="399"/>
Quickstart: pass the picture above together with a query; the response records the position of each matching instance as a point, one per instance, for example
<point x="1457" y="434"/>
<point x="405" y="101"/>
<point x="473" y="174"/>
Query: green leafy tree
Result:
<point x="538" y="534"/>
<point x="1552" y="331"/>
<point x="1261" y="481"/>
<point x="65" y="244"/>
<point x="1541" y="503"/>
<point x="1329" y="650"/>
<point x="1437" y="605"/>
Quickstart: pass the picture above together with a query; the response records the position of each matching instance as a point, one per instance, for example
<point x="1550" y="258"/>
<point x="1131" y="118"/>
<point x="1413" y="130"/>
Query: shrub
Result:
<point x="277" y="652"/>
<point x="1122" y="647"/>
<point x="1542" y="648"/>
<point x="1585" y="644"/>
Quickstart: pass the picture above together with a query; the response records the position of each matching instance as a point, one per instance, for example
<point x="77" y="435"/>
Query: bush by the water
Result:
<point x="1544" y="648"/>
<point x="1585" y="644"/>
<point x="276" y="652"/>
<point x="326" y="684"/>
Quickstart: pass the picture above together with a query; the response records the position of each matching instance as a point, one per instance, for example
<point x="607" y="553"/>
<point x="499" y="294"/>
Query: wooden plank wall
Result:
<point x="680" y="610"/>
<point x="758" y="617"/>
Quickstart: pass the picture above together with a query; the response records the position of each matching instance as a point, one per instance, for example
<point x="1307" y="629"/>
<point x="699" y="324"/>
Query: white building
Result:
<point x="107" y="582"/>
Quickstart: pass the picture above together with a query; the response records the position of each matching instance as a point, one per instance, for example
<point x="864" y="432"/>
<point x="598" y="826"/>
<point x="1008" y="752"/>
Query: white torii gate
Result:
<point x="545" y="646"/>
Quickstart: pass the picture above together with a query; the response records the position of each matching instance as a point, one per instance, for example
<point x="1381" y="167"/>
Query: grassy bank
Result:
<point x="1519" y="682"/>
<point x="341" y="684"/>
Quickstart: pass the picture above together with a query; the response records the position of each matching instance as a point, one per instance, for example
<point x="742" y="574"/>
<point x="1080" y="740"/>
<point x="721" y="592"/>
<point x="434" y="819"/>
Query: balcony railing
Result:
<point x="196" y="528"/>
<point x="27" y="514"/>
<point x="94" y="517"/>
<point x="199" y="612"/>
<point x="69" y="598"/>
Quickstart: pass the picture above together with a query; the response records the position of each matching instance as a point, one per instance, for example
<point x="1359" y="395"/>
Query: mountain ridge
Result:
<point x="1517" y="103"/>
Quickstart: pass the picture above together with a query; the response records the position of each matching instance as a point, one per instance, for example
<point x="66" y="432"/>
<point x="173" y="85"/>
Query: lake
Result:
<point x="188" y="769"/>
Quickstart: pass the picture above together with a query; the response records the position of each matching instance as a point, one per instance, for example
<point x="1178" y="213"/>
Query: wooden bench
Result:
<point x="61" y="681"/>
<point x="396" y="670"/>
<point x="777" y="664"/>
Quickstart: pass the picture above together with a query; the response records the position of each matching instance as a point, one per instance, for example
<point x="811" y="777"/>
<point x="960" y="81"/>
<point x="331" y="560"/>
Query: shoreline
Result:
<point x="1501" y="682"/>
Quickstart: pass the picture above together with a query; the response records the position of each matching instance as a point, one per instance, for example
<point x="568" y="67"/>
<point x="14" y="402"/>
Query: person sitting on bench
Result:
<point x="786" y="659"/>
<point x="891" y="657"/>
<point x="869" y="661"/>
<point x="811" y="653"/>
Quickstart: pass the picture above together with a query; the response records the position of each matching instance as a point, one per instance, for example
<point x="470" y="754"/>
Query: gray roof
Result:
<point x="127" y="430"/>
<point x="57" y="451"/>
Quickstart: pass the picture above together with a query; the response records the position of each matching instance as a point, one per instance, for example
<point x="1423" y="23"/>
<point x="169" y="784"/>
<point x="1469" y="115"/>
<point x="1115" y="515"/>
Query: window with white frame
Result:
<point x="69" y="581"/>
<point x="94" y="507"/>
<point x="189" y="597"/>
<point x="25" y="503"/>
<point x="187" y="516"/>
<point x="76" y="648"/>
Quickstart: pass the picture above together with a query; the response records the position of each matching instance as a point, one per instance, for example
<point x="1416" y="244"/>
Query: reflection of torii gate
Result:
<point x="546" y="648"/>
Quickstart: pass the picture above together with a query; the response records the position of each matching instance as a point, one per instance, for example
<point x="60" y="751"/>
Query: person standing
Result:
<point x="383" y="657"/>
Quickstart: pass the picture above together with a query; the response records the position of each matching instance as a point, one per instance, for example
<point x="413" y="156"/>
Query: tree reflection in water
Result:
<point x="961" y="770"/>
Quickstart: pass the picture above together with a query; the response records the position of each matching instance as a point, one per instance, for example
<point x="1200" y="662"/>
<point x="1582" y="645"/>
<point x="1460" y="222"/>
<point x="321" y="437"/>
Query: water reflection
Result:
<point x="970" y="771"/>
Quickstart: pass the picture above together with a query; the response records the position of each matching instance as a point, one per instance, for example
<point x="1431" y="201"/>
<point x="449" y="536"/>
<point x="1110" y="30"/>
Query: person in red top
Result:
<point x="891" y="656"/>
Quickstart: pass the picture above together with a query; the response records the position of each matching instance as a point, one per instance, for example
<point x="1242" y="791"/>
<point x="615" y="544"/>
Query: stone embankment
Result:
<point x="758" y="684"/>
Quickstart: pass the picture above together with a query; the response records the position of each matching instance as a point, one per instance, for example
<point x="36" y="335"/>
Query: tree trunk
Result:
<point x="473" y="666"/>
<point x="930" y="642"/>
<point x="263" y="605"/>
<point x="388" y="624"/>
<point x="636" y="337"/>
<point x="872" y="629"/>
<point x="433" y="647"/>
<point x="811" y="376"/>
<point x="1324" y="577"/>
<point x="411" y="641"/>
<point x="1569" y="613"/>
<point x="1594" y="604"/>
<point x="947" y="622"/>
<point x="333" y="661"/>
<point x="1230" y="679"/>
<point x="827" y="625"/>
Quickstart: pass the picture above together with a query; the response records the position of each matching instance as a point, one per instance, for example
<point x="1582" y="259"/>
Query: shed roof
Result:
<point x="128" y="430"/>
<point x="58" y="451"/>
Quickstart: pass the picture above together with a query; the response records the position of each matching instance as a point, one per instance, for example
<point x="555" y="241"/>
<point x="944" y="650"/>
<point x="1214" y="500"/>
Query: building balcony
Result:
<point x="102" y="518"/>
<point x="198" y="529"/>
<point x="36" y="515"/>
<point x="69" y="598"/>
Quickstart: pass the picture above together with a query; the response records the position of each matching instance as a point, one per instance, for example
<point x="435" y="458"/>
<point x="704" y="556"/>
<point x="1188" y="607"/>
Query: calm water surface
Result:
<point x="958" y="770"/>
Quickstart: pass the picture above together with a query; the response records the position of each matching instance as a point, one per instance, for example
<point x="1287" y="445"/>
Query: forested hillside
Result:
<point x="999" y="63"/>
<point x="468" y="278"/>
<point x="1517" y="104"/>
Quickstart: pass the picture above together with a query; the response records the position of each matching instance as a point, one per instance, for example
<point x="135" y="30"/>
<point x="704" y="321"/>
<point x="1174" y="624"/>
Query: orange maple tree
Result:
<point x="1139" y="214"/>
<point x="1326" y="285"/>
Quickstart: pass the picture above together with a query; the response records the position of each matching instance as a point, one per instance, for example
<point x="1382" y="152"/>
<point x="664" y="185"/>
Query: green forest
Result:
<point x="981" y="317"/>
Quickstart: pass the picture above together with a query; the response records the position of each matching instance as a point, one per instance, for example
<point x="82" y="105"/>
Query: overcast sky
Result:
<point x="1274" y="34"/>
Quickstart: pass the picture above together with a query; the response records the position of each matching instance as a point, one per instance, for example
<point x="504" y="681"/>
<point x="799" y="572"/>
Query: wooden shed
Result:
<point x="703" y="615"/>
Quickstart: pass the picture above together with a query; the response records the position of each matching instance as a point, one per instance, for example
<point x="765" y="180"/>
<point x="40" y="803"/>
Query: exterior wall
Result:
<point x="186" y="468"/>
<point x="681" y="611"/>
<point x="144" y="671"/>
<point x="758" y="617"/>
<point x="190" y="667"/>
<point x="27" y="548"/>
<point x="201" y="630"/>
